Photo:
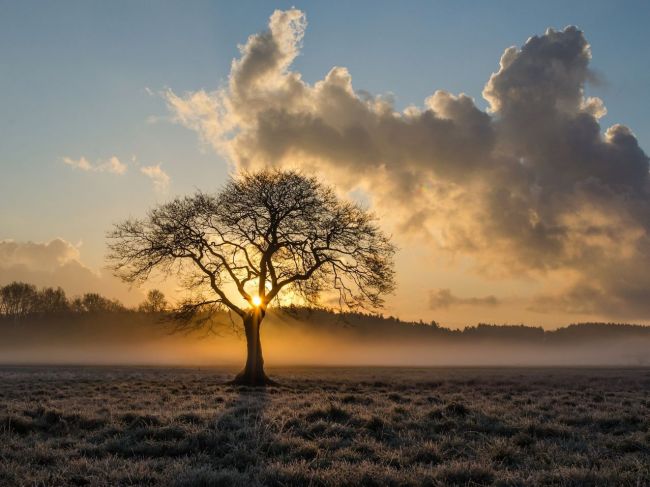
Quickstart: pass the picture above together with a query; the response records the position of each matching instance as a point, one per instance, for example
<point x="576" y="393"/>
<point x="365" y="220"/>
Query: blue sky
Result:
<point x="77" y="77"/>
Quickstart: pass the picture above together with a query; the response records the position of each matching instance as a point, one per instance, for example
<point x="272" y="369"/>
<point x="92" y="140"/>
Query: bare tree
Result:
<point x="52" y="301"/>
<point x="95" y="303"/>
<point x="154" y="303"/>
<point x="18" y="300"/>
<point x="267" y="238"/>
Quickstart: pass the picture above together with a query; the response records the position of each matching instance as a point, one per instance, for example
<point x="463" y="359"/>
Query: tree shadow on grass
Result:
<point x="232" y="447"/>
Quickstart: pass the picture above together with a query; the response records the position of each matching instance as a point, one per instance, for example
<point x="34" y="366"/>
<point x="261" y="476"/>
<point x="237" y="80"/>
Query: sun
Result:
<point x="256" y="301"/>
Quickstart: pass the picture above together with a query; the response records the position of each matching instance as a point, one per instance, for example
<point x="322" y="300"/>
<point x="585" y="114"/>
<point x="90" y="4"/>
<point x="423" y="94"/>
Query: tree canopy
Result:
<point x="266" y="235"/>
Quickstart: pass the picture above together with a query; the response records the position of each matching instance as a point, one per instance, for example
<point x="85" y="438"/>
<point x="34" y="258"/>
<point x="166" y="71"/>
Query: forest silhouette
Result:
<point x="45" y="325"/>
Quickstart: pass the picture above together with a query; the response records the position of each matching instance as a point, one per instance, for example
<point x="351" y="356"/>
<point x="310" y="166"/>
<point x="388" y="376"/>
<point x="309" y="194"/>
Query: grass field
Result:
<point x="356" y="427"/>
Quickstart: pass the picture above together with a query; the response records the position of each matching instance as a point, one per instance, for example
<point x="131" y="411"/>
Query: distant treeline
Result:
<point x="20" y="300"/>
<point x="385" y="327"/>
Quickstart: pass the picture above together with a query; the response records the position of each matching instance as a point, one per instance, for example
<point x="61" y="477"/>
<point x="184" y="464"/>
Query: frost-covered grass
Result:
<point x="356" y="427"/>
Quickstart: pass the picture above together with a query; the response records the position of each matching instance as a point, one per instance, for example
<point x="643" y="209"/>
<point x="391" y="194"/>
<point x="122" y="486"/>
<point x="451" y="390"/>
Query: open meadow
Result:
<point x="325" y="426"/>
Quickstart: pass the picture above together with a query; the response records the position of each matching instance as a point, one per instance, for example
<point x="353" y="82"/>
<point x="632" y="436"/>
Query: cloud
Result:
<point x="58" y="263"/>
<point x="155" y="173"/>
<point x="443" y="298"/>
<point x="46" y="256"/>
<point x="534" y="186"/>
<point x="112" y="165"/>
<point x="159" y="177"/>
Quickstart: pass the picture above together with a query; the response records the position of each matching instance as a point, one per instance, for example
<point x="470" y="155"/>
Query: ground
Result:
<point x="354" y="427"/>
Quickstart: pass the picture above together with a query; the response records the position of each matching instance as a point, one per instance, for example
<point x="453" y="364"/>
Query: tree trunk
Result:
<point x="253" y="373"/>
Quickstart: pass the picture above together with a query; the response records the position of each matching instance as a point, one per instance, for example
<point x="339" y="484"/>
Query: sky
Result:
<point x="111" y="107"/>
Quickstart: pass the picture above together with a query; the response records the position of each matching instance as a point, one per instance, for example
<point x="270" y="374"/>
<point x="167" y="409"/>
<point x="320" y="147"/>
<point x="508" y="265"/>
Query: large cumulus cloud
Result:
<point x="533" y="186"/>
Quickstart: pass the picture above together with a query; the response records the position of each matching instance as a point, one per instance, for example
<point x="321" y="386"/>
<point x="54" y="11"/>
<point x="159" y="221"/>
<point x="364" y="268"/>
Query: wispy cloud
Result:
<point x="112" y="165"/>
<point x="155" y="173"/>
<point x="159" y="177"/>
<point x="443" y="298"/>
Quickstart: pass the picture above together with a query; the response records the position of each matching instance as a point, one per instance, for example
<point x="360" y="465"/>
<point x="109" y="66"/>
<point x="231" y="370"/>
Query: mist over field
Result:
<point x="315" y="338"/>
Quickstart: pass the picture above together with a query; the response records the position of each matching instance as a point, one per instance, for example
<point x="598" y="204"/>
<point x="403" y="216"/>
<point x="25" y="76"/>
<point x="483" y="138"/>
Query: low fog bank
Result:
<point x="316" y="338"/>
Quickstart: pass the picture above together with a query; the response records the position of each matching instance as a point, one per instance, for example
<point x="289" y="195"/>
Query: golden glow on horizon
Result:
<point x="256" y="301"/>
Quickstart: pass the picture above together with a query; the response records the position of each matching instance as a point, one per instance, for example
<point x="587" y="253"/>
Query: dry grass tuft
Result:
<point x="325" y="427"/>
